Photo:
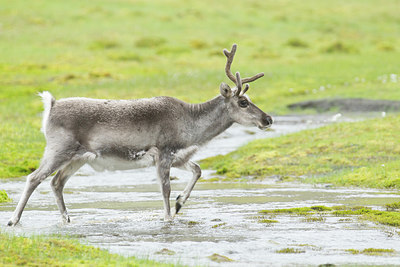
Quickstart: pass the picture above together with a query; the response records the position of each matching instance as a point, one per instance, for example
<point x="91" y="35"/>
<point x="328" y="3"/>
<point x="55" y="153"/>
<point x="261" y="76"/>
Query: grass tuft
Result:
<point x="4" y="197"/>
<point x="150" y="42"/>
<point x="295" y="42"/>
<point x="339" y="47"/>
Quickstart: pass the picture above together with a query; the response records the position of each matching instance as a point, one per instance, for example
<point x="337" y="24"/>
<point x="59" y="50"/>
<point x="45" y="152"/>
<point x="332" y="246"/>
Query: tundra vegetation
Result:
<point x="365" y="154"/>
<point x="121" y="49"/>
<point x="389" y="217"/>
<point x="53" y="251"/>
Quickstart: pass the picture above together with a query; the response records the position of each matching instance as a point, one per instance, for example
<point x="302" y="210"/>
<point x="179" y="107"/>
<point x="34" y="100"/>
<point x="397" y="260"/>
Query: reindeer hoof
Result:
<point x="11" y="223"/>
<point x="66" y="219"/>
<point x="178" y="204"/>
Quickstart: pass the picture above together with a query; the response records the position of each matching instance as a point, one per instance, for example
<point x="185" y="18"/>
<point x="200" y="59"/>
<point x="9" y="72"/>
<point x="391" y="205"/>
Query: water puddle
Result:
<point x="122" y="212"/>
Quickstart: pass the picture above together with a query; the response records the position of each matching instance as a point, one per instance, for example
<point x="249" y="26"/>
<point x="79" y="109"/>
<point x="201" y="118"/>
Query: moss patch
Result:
<point x="346" y="154"/>
<point x="372" y="251"/>
<point x="290" y="251"/>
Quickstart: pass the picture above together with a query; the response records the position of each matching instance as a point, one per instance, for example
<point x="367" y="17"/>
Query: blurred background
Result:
<point x="130" y="49"/>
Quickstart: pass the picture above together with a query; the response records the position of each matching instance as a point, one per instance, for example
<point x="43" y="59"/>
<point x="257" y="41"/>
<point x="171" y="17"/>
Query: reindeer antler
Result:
<point x="229" y="60"/>
<point x="239" y="82"/>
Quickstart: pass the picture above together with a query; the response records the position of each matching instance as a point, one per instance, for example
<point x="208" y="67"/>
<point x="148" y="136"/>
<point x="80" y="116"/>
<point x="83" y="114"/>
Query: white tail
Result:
<point x="48" y="101"/>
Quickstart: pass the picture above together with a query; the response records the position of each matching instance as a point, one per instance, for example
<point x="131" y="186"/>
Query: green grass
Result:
<point x="4" y="197"/>
<point x="365" y="154"/>
<point x="53" y="251"/>
<point x="131" y="49"/>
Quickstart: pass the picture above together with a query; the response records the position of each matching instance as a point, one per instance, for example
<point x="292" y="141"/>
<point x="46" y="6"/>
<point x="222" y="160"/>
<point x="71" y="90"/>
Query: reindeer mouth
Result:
<point x="264" y="127"/>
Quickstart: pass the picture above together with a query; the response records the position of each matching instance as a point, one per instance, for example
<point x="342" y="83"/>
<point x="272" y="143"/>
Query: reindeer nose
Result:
<point x="267" y="120"/>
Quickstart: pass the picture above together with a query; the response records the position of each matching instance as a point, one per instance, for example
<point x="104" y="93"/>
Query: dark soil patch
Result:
<point x="347" y="104"/>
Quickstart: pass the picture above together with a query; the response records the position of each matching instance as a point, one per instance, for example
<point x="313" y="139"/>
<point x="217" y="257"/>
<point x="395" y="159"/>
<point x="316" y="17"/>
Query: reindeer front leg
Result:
<point x="163" y="164"/>
<point x="181" y="199"/>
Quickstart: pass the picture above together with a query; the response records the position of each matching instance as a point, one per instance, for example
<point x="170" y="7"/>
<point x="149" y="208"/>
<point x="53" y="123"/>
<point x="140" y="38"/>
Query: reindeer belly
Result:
<point x="134" y="160"/>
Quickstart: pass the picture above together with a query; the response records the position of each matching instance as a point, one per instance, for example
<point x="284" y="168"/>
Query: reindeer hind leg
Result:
<point x="56" y="156"/>
<point x="58" y="183"/>
<point x="46" y="168"/>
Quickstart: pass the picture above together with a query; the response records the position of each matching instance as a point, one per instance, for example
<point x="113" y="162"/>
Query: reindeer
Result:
<point x="127" y="134"/>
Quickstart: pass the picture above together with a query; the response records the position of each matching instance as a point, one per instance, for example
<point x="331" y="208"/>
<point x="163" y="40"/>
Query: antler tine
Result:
<point x="253" y="78"/>
<point x="229" y="56"/>
<point x="246" y="87"/>
<point x="238" y="83"/>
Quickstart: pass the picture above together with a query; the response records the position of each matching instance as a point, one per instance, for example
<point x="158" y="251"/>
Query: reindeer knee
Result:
<point x="197" y="171"/>
<point x="34" y="179"/>
<point x="195" y="168"/>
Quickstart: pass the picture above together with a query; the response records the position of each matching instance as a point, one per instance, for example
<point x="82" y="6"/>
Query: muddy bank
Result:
<point x="348" y="105"/>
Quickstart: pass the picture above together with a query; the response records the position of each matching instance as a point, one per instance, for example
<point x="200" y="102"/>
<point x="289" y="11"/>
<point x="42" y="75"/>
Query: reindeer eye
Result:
<point x="243" y="103"/>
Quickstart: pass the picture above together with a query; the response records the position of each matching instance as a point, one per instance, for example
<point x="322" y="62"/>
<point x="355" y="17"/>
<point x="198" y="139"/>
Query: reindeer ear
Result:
<point x="225" y="90"/>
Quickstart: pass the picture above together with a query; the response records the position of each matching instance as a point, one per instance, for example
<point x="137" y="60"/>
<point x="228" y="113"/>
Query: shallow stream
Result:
<point x="122" y="212"/>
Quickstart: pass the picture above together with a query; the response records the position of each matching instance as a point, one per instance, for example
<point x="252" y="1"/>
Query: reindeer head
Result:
<point x="239" y="106"/>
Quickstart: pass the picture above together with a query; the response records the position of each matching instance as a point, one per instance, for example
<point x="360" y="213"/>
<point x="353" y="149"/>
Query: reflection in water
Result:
<point x="122" y="212"/>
